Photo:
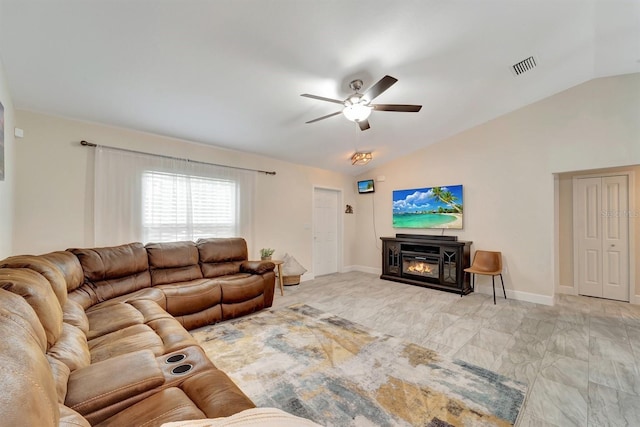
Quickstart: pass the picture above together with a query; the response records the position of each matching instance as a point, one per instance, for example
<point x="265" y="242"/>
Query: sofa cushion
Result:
<point x="60" y="373"/>
<point x="110" y="317"/>
<point x="150" y="294"/>
<point x="220" y="401"/>
<point x="173" y="262"/>
<point x="171" y="404"/>
<point x="70" y="267"/>
<point x="112" y="381"/>
<point x="161" y="336"/>
<point x="238" y="290"/>
<point x="73" y="314"/>
<point x="70" y="418"/>
<point x="149" y="310"/>
<point x="205" y="317"/>
<point x="191" y="297"/>
<point x="221" y="256"/>
<point x="263" y="417"/>
<point x="37" y="291"/>
<point x="29" y="393"/>
<point x="43" y="266"/>
<point x="116" y="270"/>
<point x="71" y="348"/>
<point x="174" y="335"/>
<point x="231" y="311"/>
<point x="127" y="340"/>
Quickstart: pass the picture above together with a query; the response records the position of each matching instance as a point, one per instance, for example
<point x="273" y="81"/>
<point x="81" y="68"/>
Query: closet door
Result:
<point x="601" y="236"/>
<point x="615" y="238"/>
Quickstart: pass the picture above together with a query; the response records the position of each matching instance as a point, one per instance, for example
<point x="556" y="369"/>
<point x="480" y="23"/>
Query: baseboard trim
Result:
<point x="516" y="295"/>
<point x="567" y="290"/>
<point x="362" y="268"/>
<point x="306" y="277"/>
<point x="483" y="289"/>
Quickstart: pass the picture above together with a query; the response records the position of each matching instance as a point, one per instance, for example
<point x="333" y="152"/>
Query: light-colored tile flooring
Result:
<point x="580" y="357"/>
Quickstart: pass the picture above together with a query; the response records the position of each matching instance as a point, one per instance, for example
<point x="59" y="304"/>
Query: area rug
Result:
<point x="337" y="373"/>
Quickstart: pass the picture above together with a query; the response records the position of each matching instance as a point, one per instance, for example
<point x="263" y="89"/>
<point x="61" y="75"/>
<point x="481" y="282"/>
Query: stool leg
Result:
<point x="493" y="281"/>
<point x="503" y="291"/>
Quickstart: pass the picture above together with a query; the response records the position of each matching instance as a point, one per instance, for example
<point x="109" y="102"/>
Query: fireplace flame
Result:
<point x="420" y="268"/>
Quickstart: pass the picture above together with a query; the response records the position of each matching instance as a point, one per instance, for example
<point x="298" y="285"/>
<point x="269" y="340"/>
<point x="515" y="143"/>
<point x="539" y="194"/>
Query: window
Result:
<point x="146" y="198"/>
<point x="183" y="207"/>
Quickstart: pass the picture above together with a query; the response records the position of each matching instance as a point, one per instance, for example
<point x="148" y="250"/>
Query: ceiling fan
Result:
<point x="358" y="107"/>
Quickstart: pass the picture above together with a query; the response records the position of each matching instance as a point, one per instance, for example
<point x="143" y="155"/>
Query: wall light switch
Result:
<point x="19" y="133"/>
<point x="381" y="178"/>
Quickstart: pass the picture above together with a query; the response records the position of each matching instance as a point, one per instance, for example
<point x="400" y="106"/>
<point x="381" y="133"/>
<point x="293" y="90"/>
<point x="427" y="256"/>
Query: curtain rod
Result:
<point x="91" y="144"/>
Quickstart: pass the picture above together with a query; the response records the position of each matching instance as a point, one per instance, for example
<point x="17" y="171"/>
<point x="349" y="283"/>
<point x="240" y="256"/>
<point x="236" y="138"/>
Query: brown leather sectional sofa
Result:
<point x="100" y="336"/>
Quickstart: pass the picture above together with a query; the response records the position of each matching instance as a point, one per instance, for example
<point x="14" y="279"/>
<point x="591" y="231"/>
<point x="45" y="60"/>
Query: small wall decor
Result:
<point x="1" y="142"/>
<point x="349" y="209"/>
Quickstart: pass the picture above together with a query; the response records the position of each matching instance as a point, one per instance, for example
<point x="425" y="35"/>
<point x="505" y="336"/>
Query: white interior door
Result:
<point x="601" y="236"/>
<point x="615" y="238"/>
<point x="325" y="231"/>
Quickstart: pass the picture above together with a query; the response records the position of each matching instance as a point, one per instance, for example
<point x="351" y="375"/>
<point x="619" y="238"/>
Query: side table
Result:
<point x="278" y="264"/>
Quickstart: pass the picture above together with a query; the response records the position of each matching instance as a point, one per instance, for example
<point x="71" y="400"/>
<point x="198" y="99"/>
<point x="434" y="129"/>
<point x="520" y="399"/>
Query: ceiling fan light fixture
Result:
<point x="357" y="112"/>
<point x="360" y="158"/>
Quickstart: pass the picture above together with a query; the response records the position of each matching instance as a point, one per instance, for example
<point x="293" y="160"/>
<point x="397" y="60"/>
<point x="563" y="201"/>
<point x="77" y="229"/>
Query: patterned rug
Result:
<point x="338" y="373"/>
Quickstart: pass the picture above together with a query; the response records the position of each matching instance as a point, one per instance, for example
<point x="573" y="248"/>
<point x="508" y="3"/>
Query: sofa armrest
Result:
<point x="256" y="267"/>
<point x="113" y="380"/>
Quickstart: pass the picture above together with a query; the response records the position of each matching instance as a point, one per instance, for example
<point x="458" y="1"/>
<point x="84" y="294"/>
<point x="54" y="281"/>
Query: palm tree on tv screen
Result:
<point x="446" y="197"/>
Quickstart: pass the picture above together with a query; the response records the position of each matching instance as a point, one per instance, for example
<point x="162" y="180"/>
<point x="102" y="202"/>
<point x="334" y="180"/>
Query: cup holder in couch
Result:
<point x="181" y="369"/>
<point x="175" y="358"/>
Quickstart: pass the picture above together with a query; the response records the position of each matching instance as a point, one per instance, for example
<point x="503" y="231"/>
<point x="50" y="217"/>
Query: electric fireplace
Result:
<point x="425" y="267"/>
<point x="431" y="261"/>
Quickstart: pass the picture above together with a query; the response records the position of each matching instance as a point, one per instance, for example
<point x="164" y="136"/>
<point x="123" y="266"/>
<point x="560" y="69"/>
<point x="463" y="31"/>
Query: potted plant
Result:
<point x="265" y="253"/>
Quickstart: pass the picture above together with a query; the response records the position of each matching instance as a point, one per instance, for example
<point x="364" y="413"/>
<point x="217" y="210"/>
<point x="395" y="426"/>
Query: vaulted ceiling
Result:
<point x="230" y="72"/>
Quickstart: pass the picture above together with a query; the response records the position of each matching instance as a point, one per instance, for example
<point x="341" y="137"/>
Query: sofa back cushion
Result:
<point x="29" y="396"/>
<point x="69" y="266"/>
<point x="114" y="271"/>
<point x="221" y="256"/>
<point x="37" y="292"/>
<point x="43" y="266"/>
<point x="173" y="262"/>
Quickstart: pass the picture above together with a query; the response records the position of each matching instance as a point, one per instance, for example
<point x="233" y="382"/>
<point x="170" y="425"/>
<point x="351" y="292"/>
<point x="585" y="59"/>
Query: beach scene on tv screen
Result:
<point x="365" y="186"/>
<point x="429" y="207"/>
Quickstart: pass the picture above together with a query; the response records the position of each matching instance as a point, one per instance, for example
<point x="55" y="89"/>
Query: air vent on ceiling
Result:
<point x="523" y="66"/>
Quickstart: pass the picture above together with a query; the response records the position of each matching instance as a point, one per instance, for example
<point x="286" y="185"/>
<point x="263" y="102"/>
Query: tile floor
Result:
<point x="580" y="357"/>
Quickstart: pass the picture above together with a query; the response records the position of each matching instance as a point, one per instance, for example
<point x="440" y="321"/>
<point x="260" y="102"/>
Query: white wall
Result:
<point x="54" y="181"/>
<point x="7" y="186"/>
<point x="507" y="167"/>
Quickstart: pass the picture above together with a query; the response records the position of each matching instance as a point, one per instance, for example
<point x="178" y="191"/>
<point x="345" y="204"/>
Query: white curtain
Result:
<point x="147" y="198"/>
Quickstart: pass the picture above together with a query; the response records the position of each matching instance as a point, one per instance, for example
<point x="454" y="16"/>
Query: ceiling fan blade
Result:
<point x="376" y="90"/>
<point x="322" y="98"/>
<point x="364" y="124"/>
<point x="397" y="107"/>
<point x="324" y="117"/>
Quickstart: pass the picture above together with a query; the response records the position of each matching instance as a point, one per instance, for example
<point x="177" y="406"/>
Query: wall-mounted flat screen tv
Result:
<point x="366" y="186"/>
<point x="429" y="207"/>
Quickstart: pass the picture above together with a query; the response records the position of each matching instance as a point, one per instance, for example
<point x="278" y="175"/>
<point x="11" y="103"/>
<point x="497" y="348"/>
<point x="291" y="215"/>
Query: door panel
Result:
<point x="325" y="232"/>
<point x="588" y="236"/>
<point x="615" y="239"/>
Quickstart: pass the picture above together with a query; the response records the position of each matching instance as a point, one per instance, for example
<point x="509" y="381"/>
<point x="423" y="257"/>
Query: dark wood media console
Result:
<point x="431" y="261"/>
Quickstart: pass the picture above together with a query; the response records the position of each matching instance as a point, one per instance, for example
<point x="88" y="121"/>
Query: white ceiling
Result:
<point x="230" y="72"/>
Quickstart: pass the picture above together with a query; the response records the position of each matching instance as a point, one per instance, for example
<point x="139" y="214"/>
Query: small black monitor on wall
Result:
<point x="366" y="186"/>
